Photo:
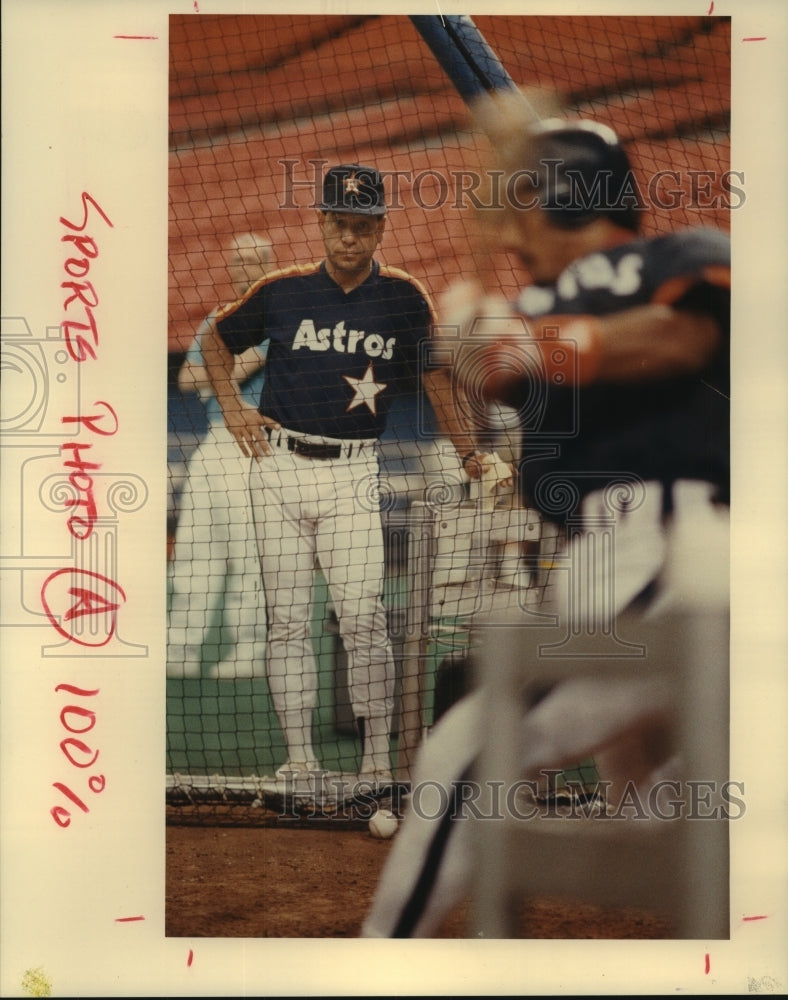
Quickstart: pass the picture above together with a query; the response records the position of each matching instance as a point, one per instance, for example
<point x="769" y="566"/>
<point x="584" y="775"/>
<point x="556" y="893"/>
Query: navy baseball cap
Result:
<point x="351" y="187"/>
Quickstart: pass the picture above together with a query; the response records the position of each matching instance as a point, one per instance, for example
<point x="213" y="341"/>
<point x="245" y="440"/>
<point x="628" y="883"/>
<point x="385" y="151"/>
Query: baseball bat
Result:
<point x="463" y="53"/>
<point x="474" y="69"/>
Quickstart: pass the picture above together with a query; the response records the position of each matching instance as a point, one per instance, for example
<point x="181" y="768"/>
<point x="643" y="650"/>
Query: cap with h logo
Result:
<point x="351" y="187"/>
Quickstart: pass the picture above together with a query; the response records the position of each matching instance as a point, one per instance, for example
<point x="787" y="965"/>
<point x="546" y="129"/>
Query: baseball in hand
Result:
<point x="384" y="824"/>
<point x="495" y="472"/>
<point x="496" y="469"/>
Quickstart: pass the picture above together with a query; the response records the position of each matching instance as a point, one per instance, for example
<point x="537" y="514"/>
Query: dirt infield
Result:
<point x="226" y="882"/>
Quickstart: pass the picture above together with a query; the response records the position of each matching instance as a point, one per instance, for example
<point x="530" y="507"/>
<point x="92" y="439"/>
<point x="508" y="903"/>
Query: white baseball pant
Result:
<point x="324" y="510"/>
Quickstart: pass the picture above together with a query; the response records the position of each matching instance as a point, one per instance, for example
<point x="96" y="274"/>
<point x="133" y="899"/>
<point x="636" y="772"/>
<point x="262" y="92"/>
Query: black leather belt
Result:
<point x="309" y="449"/>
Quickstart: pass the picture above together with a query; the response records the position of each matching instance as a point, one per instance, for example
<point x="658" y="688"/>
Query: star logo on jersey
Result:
<point x="366" y="390"/>
<point x="351" y="184"/>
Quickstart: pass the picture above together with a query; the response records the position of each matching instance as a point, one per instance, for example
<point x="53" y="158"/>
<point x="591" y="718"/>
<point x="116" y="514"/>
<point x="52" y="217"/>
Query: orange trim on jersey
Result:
<point x="283" y="272"/>
<point x="717" y="274"/>
<point x="672" y="290"/>
<point x="398" y="272"/>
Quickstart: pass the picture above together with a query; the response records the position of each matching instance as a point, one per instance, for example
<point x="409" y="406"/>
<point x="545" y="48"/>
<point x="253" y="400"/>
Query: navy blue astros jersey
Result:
<point x="335" y="360"/>
<point x="664" y="430"/>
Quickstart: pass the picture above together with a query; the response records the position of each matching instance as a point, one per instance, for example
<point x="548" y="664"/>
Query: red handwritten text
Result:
<point x="82" y="605"/>
<point x="80" y="525"/>
<point x="81" y="334"/>
<point x="78" y="720"/>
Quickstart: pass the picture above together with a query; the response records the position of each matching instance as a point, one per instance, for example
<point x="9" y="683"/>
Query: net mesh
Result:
<point x="259" y="106"/>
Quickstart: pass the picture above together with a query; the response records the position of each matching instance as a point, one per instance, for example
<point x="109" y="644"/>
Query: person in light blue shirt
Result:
<point x="214" y="572"/>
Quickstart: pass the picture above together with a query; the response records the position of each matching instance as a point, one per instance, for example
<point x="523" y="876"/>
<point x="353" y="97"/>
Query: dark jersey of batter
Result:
<point x="576" y="440"/>
<point x="335" y="360"/>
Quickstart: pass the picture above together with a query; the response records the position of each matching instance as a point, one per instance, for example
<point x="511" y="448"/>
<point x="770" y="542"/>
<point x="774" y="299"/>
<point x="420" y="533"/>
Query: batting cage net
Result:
<point x="260" y="107"/>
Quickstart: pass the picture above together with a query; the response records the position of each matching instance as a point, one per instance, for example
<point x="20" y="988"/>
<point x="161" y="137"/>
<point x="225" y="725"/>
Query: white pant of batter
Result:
<point x="430" y="867"/>
<point x="326" y="511"/>
<point x="215" y="569"/>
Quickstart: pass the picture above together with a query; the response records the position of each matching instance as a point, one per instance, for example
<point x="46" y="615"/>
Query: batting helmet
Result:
<point x="580" y="172"/>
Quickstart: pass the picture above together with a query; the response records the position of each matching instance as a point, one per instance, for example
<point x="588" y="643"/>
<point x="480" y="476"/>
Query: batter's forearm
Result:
<point x="655" y="341"/>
